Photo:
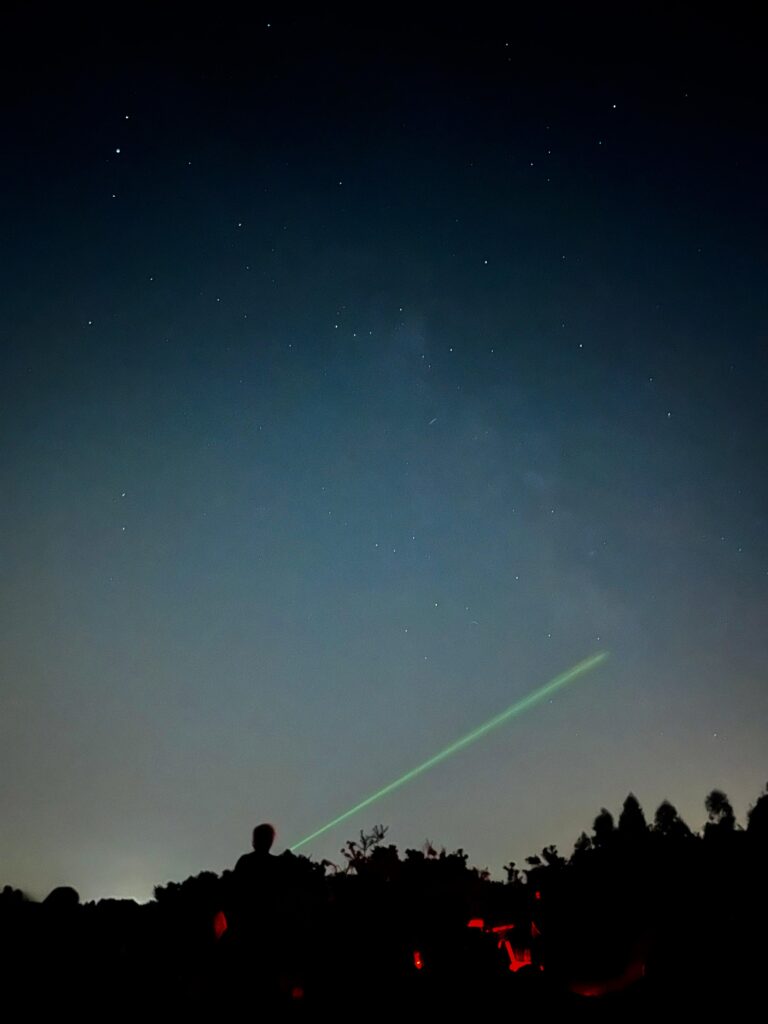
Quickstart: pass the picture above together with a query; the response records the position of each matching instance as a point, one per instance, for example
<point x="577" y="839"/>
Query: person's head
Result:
<point x="263" y="837"/>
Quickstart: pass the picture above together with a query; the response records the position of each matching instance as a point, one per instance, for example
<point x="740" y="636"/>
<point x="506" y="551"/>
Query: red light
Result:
<point x="517" y="958"/>
<point x="633" y="973"/>
<point x="588" y="990"/>
<point x="297" y="992"/>
<point x="537" y="895"/>
<point x="418" y="963"/>
<point x="476" y="922"/>
<point x="219" y="924"/>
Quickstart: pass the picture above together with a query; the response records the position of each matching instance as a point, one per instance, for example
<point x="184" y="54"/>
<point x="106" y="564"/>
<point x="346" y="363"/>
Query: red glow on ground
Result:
<point x="297" y="992"/>
<point x="219" y="924"/>
<point x="418" y="963"/>
<point x="632" y="974"/>
<point x="589" y="990"/>
<point x="476" y="922"/>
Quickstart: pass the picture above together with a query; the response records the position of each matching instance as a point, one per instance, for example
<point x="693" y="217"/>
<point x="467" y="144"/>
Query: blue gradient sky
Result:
<point x="377" y="379"/>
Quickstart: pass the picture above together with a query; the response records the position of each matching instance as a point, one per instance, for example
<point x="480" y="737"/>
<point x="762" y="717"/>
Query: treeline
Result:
<point x="642" y="913"/>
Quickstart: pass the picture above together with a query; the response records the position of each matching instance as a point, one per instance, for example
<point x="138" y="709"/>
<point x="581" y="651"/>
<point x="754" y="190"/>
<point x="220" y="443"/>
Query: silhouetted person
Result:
<point x="255" y="917"/>
<point x="252" y="866"/>
<point x="252" y="884"/>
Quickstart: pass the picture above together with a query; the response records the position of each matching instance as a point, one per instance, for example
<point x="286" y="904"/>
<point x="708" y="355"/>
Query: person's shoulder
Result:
<point x="244" y="863"/>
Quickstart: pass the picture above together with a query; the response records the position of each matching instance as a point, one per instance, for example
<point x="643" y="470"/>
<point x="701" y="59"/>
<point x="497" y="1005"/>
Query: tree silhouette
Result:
<point x="603" y="829"/>
<point x="513" y="873"/>
<point x="552" y="858"/>
<point x="358" y="851"/>
<point x="581" y="849"/>
<point x="757" y="819"/>
<point x="668" y="823"/>
<point x="632" y="823"/>
<point x="722" y="820"/>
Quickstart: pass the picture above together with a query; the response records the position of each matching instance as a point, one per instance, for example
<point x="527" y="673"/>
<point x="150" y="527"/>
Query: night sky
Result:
<point x="358" y="377"/>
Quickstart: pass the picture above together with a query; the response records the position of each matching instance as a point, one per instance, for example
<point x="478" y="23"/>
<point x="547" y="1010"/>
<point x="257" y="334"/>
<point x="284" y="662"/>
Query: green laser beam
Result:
<point x="515" y="709"/>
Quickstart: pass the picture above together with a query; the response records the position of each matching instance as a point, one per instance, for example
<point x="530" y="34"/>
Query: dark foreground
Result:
<point x="640" y="920"/>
